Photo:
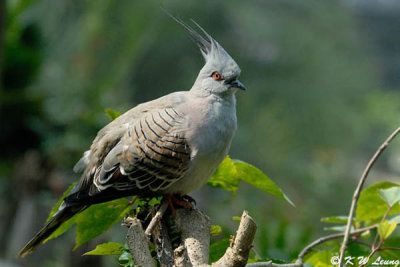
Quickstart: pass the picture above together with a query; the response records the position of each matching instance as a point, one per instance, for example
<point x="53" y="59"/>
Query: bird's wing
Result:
<point x="150" y="157"/>
<point x="110" y="136"/>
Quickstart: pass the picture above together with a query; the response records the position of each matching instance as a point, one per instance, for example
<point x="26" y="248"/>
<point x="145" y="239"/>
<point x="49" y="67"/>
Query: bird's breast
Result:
<point x="210" y="127"/>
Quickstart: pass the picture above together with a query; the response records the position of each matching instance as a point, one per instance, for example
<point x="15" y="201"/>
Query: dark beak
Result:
<point x="237" y="84"/>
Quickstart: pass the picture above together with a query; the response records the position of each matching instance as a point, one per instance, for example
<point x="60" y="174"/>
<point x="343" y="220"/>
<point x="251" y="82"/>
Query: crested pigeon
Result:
<point x="170" y="145"/>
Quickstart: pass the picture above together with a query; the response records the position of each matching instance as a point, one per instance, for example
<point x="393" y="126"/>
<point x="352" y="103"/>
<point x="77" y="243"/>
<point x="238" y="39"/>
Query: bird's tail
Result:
<point x="62" y="215"/>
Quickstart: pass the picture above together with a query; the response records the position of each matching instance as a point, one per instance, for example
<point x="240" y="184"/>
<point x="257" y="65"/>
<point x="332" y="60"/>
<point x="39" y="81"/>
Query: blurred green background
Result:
<point x="323" y="81"/>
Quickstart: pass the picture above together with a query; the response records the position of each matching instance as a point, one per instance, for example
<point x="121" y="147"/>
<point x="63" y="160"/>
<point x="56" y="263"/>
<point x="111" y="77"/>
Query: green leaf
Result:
<point x="94" y="220"/>
<point x="99" y="218"/>
<point x="395" y="219"/>
<point x="215" y="230"/>
<point x="125" y="259"/>
<point x="336" y="219"/>
<point x="393" y="242"/>
<point x="218" y="249"/>
<point x="391" y="196"/>
<point x="370" y="200"/>
<point x="60" y="201"/>
<point x="230" y="172"/>
<point x="339" y="228"/>
<point x="112" y="114"/>
<point x="154" y="201"/>
<point x="225" y="176"/>
<point x="385" y="229"/>
<point x="236" y="218"/>
<point x="366" y="234"/>
<point x="63" y="228"/>
<point x="321" y="258"/>
<point x="110" y="248"/>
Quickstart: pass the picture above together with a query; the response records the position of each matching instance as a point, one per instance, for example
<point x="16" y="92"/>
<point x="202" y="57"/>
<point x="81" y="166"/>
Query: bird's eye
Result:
<point x="216" y="76"/>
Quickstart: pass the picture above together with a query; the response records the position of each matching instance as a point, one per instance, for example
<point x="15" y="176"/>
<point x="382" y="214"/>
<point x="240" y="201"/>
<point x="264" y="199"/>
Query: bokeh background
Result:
<point x="323" y="81"/>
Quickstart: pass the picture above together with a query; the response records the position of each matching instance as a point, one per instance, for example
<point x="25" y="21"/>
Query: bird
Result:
<point x="169" y="146"/>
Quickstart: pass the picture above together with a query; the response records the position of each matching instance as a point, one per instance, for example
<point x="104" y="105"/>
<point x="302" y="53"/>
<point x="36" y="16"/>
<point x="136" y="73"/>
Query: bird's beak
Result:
<point x="237" y="84"/>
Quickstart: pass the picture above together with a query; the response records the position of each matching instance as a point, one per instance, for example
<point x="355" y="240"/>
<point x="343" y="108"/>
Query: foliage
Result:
<point x="336" y="219"/>
<point x="391" y="196"/>
<point x="109" y="248"/>
<point x="113" y="249"/>
<point x="321" y="258"/>
<point x="383" y="199"/>
<point x="303" y="113"/>
<point x="385" y="229"/>
<point x="217" y="249"/>
<point x="370" y="199"/>
<point x="60" y="201"/>
<point x="215" y="230"/>
<point x="112" y="114"/>
<point x="230" y="172"/>
<point x="94" y="220"/>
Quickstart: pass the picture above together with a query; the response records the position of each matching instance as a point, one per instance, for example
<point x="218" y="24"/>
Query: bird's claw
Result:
<point x="179" y="201"/>
<point x="189" y="199"/>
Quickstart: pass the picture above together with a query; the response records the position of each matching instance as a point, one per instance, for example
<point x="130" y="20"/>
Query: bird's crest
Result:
<point x="209" y="47"/>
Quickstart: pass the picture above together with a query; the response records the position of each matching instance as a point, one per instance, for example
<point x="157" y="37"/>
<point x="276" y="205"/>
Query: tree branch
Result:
<point x="162" y="242"/>
<point x="324" y="239"/>
<point x="195" y="235"/>
<point x="156" y="218"/>
<point x="137" y="243"/>
<point x="271" y="264"/>
<point x="237" y="253"/>
<point x="358" y="191"/>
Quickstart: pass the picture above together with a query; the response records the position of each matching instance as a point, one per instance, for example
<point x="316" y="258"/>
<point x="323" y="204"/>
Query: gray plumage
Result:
<point x="170" y="145"/>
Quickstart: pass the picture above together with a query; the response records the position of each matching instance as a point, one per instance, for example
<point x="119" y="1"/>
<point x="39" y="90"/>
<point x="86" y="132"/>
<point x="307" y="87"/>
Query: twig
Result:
<point x="156" y="219"/>
<point x="375" y="248"/>
<point x="389" y="248"/>
<point x="137" y="243"/>
<point x="271" y="264"/>
<point x="382" y="220"/>
<point x="315" y="243"/>
<point x="238" y="253"/>
<point x="358" y="191"/>
<point x="324" y="239"/>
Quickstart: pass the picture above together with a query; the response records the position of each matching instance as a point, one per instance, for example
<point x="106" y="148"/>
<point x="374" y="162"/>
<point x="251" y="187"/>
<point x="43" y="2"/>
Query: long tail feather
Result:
<point x="59" y="218"/>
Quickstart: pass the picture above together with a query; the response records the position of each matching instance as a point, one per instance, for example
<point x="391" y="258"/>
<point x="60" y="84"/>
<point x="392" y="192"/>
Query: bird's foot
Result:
<point x="190" y="200"/>
<point x="179" y="201"/>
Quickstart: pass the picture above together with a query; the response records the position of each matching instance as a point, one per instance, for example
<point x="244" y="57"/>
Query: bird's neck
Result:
<point x="226" y="96"/>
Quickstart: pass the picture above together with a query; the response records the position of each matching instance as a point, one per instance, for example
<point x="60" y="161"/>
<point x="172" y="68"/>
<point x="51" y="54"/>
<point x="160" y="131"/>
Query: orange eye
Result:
<point x="216" y="76"/>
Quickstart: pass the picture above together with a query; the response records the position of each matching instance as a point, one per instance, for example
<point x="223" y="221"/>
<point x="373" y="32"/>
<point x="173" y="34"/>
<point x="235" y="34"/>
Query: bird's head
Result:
<point x="220" y="72"/>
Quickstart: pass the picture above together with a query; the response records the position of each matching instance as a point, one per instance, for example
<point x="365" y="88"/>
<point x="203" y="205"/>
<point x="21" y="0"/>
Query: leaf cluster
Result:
<point x="378" y="205"/>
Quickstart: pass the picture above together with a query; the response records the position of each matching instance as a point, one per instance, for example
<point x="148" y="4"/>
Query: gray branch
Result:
<point x="195" y="234"/>
<point x="237" y="253"/>
<point x="271" y="264"/>
<point x="156" y="218"/>
<point x="162" y="242"/>
<point x="195" y="245"/>
<point x="137" y="243"/>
